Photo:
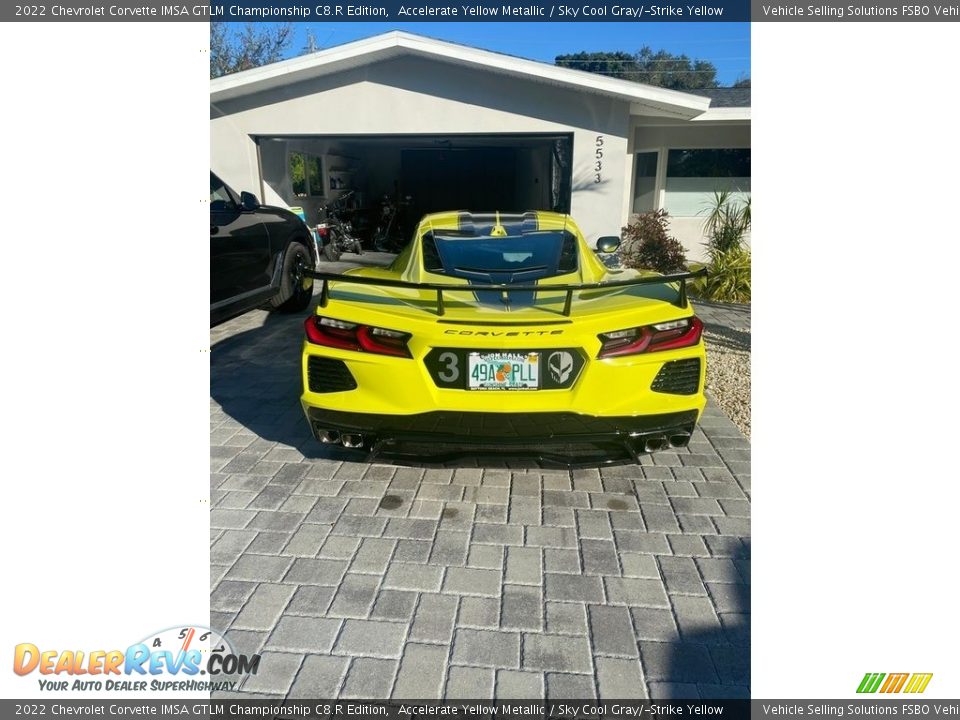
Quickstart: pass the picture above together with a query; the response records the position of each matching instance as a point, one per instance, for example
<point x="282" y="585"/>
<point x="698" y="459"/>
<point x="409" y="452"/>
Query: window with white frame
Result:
<point x="694" y="175"/>
<point x="645" y="182"/>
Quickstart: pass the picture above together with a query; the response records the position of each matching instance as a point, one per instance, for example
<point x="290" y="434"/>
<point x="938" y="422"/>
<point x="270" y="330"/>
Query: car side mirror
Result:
<point x="608" y="244"/>
<point x="248" y="201"/>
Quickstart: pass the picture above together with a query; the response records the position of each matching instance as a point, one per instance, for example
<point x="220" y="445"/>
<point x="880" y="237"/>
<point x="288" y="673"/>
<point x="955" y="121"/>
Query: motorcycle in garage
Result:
<point x="389" y="236"/>
<point x="335" y="230"/>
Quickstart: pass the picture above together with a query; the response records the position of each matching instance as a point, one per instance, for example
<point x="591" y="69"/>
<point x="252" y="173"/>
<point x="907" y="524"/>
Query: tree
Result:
<point x="661" y="68"/>
<point x="615" y="64"/>
<point x="677" y="72"/>
<point x="235" y="47"/>
<point x="743" y="81"/>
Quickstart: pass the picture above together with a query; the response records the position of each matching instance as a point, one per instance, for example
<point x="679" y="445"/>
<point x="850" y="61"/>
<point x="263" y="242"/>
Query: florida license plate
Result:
<point x="503" y="371"/>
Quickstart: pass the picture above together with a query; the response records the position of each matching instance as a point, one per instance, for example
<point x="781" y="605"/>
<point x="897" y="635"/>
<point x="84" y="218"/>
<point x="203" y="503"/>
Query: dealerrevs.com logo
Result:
<point x="894" y="682"/>
<point x="182" y="659"/>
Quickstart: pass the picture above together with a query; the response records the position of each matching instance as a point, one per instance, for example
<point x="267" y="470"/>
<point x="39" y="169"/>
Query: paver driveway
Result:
<point x="375" y="581"/>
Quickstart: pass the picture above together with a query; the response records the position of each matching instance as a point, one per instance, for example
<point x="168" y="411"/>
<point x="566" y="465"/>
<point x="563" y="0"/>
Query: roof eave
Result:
<point x="645" y="98"/>
<point x="324" y="62"/>
<point x="725" y="114"/>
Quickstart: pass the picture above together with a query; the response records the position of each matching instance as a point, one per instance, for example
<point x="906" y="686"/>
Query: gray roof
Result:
<point x="725" y="97"/>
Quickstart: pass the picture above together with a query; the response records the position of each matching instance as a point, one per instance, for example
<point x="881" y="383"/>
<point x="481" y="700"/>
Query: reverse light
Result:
<point x="651" y="338"/>
<point x="331" y="332"/>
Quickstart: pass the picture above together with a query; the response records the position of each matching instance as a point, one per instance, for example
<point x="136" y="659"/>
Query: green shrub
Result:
<point x="647" y="246"/>
<point x="728" y="277"/>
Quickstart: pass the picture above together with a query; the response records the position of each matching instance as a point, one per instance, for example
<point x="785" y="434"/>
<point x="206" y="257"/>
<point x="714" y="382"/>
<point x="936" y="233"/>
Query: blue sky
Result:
<point x="726" y="45"/>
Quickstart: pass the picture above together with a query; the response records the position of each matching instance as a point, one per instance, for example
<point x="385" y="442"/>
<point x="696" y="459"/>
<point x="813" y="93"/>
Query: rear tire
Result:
<point x="296" y="290"/>
<point x="330" y="252"/>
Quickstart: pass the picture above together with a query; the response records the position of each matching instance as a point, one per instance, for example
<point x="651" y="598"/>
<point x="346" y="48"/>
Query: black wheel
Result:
<point x="296" y="290"/>
<point x="330" y="252"/>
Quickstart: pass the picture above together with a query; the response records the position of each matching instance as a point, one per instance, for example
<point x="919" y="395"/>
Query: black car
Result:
<point x="257" y="255"/>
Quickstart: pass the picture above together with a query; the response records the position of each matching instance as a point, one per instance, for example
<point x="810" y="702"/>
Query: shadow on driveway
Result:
<point x="710" y="663"/>
<point x="255" y="378"/>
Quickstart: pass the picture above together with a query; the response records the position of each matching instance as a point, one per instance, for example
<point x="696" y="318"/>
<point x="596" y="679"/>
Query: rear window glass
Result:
<point x="513" y="258"/>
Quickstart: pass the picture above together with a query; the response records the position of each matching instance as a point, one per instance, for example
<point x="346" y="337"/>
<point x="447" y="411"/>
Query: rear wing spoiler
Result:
<point x="505" y="288"/>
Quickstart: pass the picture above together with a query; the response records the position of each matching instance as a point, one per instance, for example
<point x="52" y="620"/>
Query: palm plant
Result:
<point x="728" y="221"/>
<point x="728" y="271"/>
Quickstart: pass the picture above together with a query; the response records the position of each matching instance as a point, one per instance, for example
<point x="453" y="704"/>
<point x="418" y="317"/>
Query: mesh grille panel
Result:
<point x="678" y="377"/>
<point x="326" y="375"/>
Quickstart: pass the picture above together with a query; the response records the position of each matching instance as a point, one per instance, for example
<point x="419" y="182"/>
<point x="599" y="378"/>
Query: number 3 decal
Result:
<point x="450" y="373"/>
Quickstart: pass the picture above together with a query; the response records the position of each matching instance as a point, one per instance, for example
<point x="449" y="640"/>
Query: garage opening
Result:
<point x="424" y="173"/>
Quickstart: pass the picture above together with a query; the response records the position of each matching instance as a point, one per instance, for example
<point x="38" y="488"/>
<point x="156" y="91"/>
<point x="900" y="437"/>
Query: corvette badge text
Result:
<point x="504" y="333"/>
<point x="173" y="660"/>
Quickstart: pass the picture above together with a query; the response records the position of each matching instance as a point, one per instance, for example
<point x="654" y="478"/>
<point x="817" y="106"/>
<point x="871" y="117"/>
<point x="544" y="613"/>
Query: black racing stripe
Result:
<point x="482" y="224"/>
<point x="531" y="222"/>
<point x="492" y="298"/>
<point x="465" y="223"/>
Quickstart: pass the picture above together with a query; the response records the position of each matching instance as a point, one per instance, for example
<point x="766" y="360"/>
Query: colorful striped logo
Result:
<point x="894" y="682"/>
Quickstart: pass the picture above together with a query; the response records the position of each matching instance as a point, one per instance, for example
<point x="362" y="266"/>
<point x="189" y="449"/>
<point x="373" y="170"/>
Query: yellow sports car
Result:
<point x="504" y="333"/>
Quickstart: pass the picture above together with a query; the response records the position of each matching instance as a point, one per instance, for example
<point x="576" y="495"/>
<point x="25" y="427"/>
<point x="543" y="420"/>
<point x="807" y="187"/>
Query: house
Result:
<point x="455" y="127"/>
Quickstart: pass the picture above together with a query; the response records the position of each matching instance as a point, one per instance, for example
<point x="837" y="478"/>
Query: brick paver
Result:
<point x="497" y="581"/>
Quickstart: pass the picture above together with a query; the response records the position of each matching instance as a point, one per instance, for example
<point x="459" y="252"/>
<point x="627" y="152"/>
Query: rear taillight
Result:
<point x="651" y="338"/>
<point x="322" y="230"/>
<point x="352" y="336"/>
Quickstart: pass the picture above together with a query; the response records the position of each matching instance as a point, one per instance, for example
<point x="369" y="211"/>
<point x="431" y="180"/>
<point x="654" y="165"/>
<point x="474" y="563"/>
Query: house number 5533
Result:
<point x="598" y="167"/>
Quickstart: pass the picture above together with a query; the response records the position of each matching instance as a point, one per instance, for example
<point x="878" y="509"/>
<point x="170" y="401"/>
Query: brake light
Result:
<point x="353" y="336"/>
<point x="651" y="338"/>
<point x="322" y="230"/>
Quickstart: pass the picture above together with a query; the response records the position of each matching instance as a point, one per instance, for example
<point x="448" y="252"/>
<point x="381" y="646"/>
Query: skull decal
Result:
<point x="561" y="365"/>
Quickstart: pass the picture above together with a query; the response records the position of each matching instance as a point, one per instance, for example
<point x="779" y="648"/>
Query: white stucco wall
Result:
<point x="233" y="156"/>
<point x="409" y="95"/>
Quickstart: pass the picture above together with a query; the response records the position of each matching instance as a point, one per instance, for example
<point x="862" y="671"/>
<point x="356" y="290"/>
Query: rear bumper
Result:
<point x="382" y="385"/>
<point x="565" y="437"/>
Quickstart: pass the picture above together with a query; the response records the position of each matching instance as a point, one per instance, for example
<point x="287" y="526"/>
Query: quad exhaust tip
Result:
<point x="657" y="442"/>
<point x="328" y="437"/>
<point x="662" y="442"/>
<point x="335" y="437"/>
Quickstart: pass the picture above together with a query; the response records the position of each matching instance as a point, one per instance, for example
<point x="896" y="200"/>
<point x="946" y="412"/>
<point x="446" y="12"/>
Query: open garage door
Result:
<point x="508" y="172"/>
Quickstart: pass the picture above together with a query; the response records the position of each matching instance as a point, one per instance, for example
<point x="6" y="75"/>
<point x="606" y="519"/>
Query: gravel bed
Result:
<point x="728" y="372"/>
